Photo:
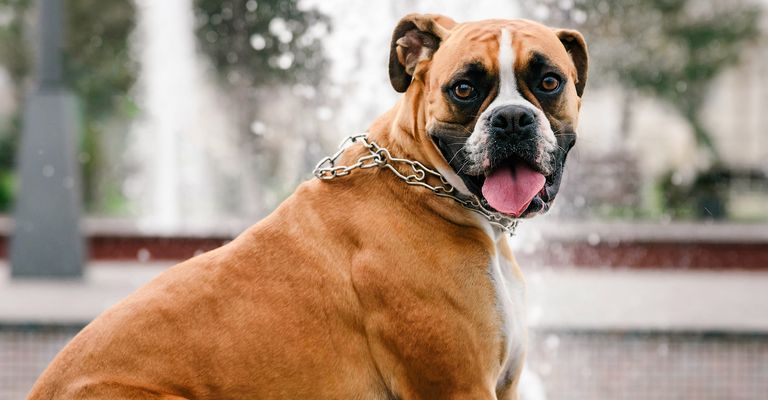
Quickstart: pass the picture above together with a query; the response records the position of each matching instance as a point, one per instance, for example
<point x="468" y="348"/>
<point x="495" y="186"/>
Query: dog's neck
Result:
<point x="402" y="131"/>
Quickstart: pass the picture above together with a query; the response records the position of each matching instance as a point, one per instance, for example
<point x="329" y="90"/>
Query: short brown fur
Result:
<point x="358" y="288"/>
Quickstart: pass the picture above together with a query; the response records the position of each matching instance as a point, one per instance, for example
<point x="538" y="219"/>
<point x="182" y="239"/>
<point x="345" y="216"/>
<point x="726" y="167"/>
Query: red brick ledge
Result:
<point x="559" y="244"/>
<point x="556" y="254"/>
<point x="682" y="255"/>
<point x="639" y="244"/>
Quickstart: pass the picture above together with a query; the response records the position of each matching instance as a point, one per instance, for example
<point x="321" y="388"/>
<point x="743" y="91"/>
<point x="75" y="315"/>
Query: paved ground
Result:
<point x="71" y="302"/>
<point x="583" y="298"/>
<point x="648" y="300"/>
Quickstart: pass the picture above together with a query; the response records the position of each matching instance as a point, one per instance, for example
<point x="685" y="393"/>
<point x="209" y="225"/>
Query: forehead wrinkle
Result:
<point x="481" y="36"/>
<point x="457" y="53"/>
<point x="550" y="48"/>
<point x="537" y="57"/>
<point x="470" y="66"/>
<point x="475" y="39"/>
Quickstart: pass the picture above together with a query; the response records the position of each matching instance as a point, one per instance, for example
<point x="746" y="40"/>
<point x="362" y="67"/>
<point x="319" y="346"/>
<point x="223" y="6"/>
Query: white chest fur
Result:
<point x="510" y="306"/>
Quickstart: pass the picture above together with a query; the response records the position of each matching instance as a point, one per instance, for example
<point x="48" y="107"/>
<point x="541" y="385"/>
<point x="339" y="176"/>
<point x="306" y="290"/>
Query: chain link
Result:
<point x="418" y="174"/>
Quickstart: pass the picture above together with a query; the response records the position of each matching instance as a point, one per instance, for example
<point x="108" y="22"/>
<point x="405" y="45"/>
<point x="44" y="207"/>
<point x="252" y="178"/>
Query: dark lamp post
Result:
<point x="47" y="241"/>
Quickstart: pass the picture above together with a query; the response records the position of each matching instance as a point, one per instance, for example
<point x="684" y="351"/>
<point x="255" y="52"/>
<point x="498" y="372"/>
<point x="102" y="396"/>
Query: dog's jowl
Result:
<point x="369" y="285"/>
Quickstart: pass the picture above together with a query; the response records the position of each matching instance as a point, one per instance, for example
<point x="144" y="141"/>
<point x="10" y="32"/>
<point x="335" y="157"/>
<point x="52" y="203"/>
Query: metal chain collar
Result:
<point x="380" y="157"/>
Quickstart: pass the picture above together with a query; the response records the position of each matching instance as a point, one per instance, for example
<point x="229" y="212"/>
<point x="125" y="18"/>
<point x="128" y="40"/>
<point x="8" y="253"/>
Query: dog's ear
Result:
<point x="577" y="48"/>
<point x="416" y="38"/>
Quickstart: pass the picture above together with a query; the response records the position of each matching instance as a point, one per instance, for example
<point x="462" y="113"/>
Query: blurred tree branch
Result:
<point x="15" y="58"/>
<point x="670" y="49"/>
<point x="255" y="43"/>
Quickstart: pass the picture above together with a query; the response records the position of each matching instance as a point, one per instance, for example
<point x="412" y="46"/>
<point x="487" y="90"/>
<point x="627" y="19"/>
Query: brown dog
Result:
<point x="365" y="287"/>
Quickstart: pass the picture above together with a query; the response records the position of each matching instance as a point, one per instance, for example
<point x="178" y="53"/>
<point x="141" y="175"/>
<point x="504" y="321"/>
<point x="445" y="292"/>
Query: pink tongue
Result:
<point x="510" y="189"/>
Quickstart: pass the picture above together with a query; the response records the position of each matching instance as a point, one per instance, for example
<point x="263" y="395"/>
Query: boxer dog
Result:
<point x="362" y="286"/>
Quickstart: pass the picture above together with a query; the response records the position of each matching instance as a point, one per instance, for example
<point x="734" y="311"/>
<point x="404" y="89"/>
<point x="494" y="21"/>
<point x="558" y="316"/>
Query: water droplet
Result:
<point x="324" y="113"/>
<point x="541" y="12"/>
<point x="279" y="29"/>
<point x="226" y="13"/>
<point x="258" y="42"/>
<point x="552" y="342"/>
<point x="251" y="5"/>
<point x="579" y="16"/>
<point x="143" y="255"/>
<point x="593" y="239"/>
<point x="211" y="36"/>
<point x="258" y="128"/>
<point x="284" y="61"/>
<point x="48" y="170"/>
<point x="234" y="77"/>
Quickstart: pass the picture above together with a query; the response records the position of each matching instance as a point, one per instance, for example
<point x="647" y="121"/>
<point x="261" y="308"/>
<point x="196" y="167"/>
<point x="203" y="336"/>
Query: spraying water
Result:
<point x="181" y="143"/>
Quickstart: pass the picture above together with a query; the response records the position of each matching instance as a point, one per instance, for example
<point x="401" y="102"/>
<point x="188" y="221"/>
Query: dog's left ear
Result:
<point x="416" y="38"/>
<point x="577" y="48"/>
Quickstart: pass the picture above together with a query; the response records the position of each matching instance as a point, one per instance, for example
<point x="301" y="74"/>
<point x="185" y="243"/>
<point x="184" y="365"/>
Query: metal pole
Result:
<point x="47" y="241"/>
<point x="49" y="66"/>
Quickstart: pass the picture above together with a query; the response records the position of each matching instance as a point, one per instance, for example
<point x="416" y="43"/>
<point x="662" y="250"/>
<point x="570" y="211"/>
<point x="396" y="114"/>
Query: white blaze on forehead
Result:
<point x="507" y="80"/>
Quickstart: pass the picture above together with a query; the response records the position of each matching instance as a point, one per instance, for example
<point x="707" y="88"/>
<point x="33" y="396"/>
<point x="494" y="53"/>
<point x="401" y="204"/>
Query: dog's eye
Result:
<point x="464" y="91"/>
<point x="549" y="83"/>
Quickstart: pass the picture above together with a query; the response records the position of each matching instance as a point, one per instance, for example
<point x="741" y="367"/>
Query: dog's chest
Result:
<point x="509" y="295"/>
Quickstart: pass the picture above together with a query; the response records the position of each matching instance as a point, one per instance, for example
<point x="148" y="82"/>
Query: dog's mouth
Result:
<point x="514" y="188"/>
<point x="511" y="187"/>
<point x="515" y="185"/>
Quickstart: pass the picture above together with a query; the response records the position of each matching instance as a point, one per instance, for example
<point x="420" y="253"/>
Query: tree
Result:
<point x="98" y="68"/>
<point x="670" y="49"/>
<point x="15" y="58"/>
<point x="259" y="43"/>
<point x="262" y="51"/>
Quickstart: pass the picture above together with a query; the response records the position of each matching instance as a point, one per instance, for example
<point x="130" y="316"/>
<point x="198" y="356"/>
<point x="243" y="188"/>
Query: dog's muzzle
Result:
<point x="511" y="165"/>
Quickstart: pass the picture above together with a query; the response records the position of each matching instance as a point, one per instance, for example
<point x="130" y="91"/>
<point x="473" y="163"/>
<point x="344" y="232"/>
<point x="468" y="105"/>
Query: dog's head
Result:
<point x="499" y="100"/>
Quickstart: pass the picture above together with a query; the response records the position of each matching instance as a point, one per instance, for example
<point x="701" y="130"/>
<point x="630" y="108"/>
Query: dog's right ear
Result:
<point x="416" y="38"/>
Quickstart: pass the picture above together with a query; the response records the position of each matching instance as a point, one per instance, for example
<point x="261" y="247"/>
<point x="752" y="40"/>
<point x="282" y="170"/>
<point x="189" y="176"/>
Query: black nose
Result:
<point x="514" y="120"/>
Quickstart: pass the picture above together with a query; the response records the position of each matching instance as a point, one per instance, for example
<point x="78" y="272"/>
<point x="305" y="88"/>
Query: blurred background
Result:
<point x="137" y="133"/>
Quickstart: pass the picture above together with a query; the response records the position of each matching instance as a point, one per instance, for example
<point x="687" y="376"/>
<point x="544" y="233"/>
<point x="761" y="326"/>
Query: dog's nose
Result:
<point x="514" y="120"/>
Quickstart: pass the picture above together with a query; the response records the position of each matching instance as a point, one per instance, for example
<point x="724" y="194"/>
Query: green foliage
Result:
<point x="15" y="58"/>
<point x="671" y="49"/>
<point x="98" y="65"/>
<point x="256" y="43"/>
<point x="13" y="52"/>
<point x="98" y="68"/>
